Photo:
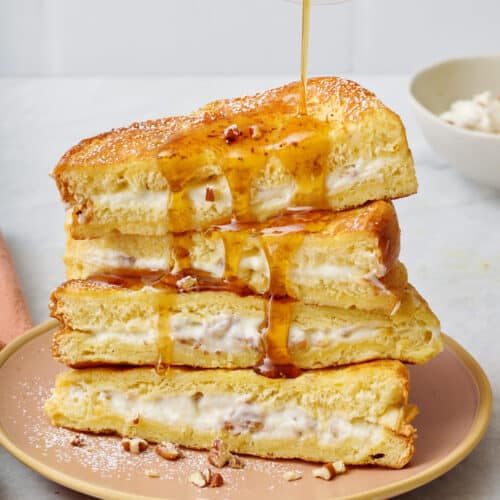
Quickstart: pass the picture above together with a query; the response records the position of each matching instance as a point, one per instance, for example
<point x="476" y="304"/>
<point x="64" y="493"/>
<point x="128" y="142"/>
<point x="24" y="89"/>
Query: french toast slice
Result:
<point x="340" y="259"/>
<point x="147" y="324"/>
<point x="244" y="159"/>
<point x="358" y="414"/>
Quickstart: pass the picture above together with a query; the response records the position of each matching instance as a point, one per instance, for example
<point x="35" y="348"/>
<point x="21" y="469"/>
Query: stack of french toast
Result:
<point x="234" y="274"/>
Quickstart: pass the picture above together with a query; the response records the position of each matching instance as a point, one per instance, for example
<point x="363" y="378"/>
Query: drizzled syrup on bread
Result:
<point x="279" y="242"/>
<point x="279" y="239"/>
<point x="293" y="148"/>
<point x="301" y="144"/>
<point x="276" y="362"/>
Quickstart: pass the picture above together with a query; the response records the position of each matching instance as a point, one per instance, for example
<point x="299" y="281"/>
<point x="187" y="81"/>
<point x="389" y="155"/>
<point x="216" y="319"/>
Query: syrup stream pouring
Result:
<point x="306" y="15"/>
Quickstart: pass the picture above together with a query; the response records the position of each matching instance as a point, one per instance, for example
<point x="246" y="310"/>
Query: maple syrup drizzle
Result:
<point x="233" y="246"/>
<point x="165" y="304"/>
<point x="180" y="254"/>
<point x="239" y="178"/>
<point x="276" y="361"/>
<point x="302" y="146"/>
<point x="306" y="14"/>
<point x="180" y="258"/>
<point x="279" y="238"/>
<point x="136" y="279"/>
<point x="286" y="145"/>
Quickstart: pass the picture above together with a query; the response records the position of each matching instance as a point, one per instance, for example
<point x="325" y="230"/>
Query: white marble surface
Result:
<point x="450" y="229"/>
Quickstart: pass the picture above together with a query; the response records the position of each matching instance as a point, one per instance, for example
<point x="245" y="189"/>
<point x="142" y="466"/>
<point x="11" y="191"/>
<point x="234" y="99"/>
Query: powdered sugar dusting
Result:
<point x="328" y="98"/>
<point x="103" y="458"/>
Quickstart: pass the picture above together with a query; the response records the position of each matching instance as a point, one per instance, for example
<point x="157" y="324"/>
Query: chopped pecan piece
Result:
<point x="168" y="450"/>
<point x="292" y="475"/>
<point x="77" y="441"/>
<point x="134" y="445"/>
<point x="231" y="133"/>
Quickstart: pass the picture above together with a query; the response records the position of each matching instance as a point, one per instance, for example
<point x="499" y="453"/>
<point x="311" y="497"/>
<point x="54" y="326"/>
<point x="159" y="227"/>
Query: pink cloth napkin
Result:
<point x="14" y="314"/>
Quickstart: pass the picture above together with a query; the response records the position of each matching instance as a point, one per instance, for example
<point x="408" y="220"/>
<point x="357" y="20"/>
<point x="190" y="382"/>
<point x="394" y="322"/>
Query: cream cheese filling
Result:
<point x="266" y="199"/>
<point x="345" y="334"/>
<point x="233" y="334"/>
<point x="227" y="333"/>
<point x="104" y="258"/>
<point x="271" y="200"/>
<point x="256" y="263"/>
<point x="138" y="339"/>
<point x="252" y="267"/>
<point x="237" y="415"/>
<point x="220" y="191"/>
<point x="131" y="200"/>
<point x="361" y="170"/>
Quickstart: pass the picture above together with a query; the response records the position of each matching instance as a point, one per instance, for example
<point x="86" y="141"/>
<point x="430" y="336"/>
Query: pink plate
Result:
<point x="452" y="392"/>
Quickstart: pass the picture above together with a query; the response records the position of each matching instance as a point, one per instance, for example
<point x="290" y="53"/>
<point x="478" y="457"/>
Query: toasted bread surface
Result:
<point x="359" y="414"/>
<point x="249" y="158"/>
<point x="109" y="325"/>
<point x="339" y="259"/>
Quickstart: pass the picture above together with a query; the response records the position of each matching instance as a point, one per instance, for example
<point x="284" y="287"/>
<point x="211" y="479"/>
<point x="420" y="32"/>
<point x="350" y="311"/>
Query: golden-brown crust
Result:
<point x="348" y="97"/>
<point x="248" y="148"/>
<point x="56" y="300"/>
<point x="57" y="354"/>
<point x="373" y="392"/>
<point x="377" y="218"/>
<point x="55" y="346"/>
<point x="175" y="144"/>
<point x="144" y="140"/>
<point x="383" y="222"/>
<point x="395" y="280"/>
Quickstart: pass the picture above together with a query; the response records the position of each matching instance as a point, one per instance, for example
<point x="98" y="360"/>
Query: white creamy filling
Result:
<point x="270" y="199"/>
<point x="256" y="263"/>
<point x="232" y="335"/>
<point x="226" y="333"/>
<point x="149" y="337"/>
<point x="361" y="170"/>
<point x="328" y="272"/>
<point x="219" y="188"/>
<point x="136" y="325"/>
<point x="133" y="200"/>
<point x="347" y="334"/>
<point x="363" y="433"/>
<point x="211" y="412"/>
<point x="273" y="199"/>
<point x="105" y="258"/>
<point x="214" y="268"/>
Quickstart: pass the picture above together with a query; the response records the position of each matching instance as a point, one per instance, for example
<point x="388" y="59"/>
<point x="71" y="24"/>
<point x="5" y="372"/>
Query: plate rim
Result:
<point x="459" y="453"/>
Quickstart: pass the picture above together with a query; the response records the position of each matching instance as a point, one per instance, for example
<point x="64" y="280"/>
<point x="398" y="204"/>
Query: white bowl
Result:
<point x="432" y="90"/>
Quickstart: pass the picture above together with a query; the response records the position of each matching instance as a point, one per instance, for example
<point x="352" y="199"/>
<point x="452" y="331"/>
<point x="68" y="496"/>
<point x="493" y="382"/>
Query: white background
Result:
<point x="180" y="37"/>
